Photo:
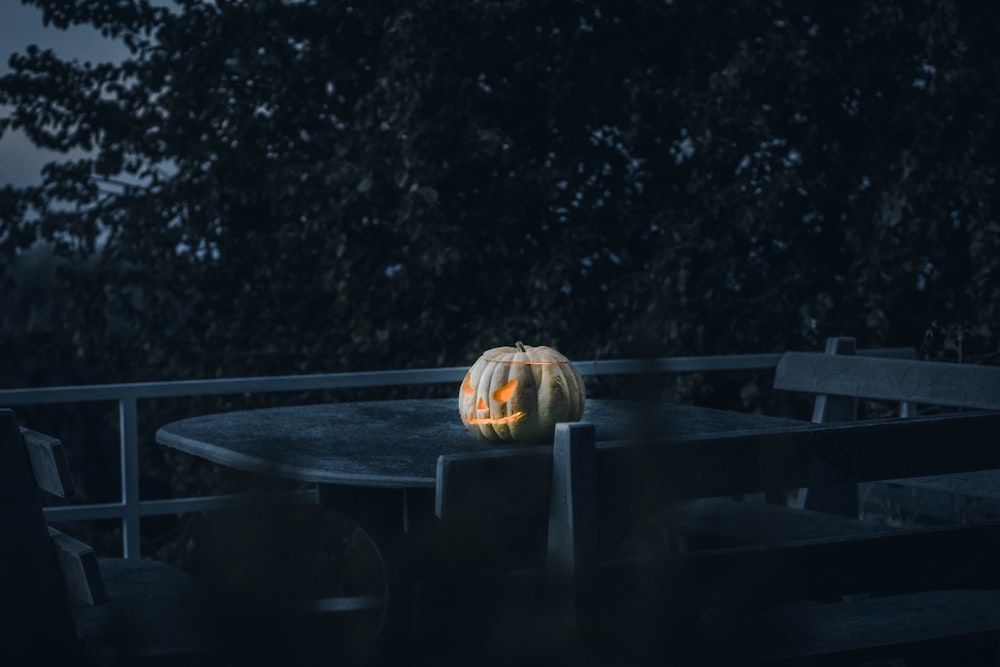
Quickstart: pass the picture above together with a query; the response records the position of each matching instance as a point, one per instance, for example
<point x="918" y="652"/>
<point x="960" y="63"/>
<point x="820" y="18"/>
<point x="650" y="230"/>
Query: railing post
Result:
<point x="129" y="425"/>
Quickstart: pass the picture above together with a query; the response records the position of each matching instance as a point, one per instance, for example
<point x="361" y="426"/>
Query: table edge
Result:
<point x="237" y="461"/>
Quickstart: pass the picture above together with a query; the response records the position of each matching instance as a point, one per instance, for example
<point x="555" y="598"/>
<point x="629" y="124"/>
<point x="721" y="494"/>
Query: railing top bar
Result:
<point x="246" y="385"/>
<point x="722" y="362"/>
<point x="354" y="380"/>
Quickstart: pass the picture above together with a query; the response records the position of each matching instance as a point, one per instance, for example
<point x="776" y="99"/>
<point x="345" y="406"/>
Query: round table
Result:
<point x="396" y="444"/>
<point x="376" y="461"/>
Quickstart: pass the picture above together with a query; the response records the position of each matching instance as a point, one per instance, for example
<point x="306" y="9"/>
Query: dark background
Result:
<point x="308" y="187"/>
<point x="270" y="187"/>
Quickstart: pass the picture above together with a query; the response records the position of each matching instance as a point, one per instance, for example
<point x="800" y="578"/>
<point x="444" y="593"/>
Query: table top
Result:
<point x="396" y="444"/>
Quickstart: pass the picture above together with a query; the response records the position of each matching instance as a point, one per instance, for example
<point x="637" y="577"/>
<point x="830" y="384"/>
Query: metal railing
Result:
<point x="132" y="507"/>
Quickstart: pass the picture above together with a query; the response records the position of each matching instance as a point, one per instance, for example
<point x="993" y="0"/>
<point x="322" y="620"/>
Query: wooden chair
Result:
<point x="750" y="604"/>
<point x="519" y="524"/>
<point x="61" y="601"/>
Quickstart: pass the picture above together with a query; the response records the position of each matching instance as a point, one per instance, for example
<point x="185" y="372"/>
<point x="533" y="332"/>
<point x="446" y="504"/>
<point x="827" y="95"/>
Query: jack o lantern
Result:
<point x="519" y="394"/>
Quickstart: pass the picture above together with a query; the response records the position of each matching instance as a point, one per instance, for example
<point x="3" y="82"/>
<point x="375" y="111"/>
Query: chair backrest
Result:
<point x="37" y="620"/>
<point x="551" y="484"/>
<point x="39" y="463"/>
<point x="922" y="382"/>
<point x="838" y="379"/>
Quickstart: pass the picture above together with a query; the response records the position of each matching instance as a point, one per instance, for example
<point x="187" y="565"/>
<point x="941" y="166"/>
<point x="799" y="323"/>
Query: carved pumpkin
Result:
<point x="519" y="394"/>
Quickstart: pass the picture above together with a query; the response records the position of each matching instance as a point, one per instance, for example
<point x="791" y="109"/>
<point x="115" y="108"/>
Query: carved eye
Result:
<point x="503" y="394"/>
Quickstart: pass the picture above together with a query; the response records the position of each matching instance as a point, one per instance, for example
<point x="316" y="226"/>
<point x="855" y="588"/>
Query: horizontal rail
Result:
<point x="99" y="511"/>
<point x="247" y="385"/>
<point x="366" y="379"/>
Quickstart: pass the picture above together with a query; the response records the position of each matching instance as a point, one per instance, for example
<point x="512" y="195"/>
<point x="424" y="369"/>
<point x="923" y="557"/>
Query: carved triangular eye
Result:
<point x="466" y="387"/>
<point x="504" y="393"/>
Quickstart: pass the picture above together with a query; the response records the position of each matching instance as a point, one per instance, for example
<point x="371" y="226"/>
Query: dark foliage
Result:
<point x="276" y="187"/>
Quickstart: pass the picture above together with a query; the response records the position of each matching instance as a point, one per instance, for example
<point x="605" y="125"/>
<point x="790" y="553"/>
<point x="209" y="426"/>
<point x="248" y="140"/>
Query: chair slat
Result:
<point x="49" y="463"/>
<point x="573" y="506"/>
<point x="929" y="382"/>
<point x="501" y="482"/>
<point x="571" y="561"/>
<point x="80" y="569"/>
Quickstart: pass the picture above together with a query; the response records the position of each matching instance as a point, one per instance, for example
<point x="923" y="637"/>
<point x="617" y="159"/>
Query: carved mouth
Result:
<point x="495" y="420"/>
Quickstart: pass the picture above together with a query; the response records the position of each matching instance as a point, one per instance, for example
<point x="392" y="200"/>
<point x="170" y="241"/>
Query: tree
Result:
<point x="279" y="186"/>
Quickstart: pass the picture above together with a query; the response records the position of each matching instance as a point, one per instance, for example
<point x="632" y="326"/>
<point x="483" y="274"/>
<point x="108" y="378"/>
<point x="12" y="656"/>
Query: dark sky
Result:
<point x="21" y="26"/>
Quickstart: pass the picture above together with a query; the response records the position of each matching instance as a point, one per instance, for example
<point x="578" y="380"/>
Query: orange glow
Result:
<point x="503" y="394"/>
<point x="499" y="420"/>
<point x="466" y="387"/>
<point x="482" y="404"/>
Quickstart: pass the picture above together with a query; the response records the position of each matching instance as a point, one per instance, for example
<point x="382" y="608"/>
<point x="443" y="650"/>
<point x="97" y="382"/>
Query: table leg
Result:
<point x="390" y="518"/>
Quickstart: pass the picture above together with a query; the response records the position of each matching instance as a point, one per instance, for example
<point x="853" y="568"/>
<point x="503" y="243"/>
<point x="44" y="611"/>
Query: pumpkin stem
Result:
<point x="520" y="346"/>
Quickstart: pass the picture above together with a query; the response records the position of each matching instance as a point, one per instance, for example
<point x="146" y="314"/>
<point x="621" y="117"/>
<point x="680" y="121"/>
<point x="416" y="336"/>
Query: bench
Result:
<point x="925" y="593"/>
<point x="838" y="379"/>
<point x="64" y="604"/>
